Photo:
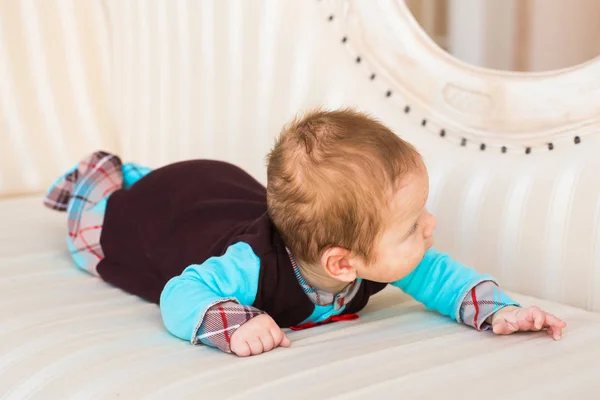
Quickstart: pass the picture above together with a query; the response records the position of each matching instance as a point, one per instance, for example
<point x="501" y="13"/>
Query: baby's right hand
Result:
<point x="259" y="335"/>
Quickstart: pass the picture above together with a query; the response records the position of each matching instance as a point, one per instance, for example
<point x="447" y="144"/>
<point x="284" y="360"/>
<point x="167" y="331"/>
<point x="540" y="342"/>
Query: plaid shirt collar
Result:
<point x="322" y="297"/>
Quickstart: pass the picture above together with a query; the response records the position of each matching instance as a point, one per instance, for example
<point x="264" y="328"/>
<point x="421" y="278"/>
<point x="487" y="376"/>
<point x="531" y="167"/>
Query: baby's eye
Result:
<point x="414" y="228"/>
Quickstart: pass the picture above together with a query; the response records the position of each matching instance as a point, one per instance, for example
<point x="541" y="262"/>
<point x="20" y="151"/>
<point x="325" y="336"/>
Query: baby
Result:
<point x="231" y="263"/>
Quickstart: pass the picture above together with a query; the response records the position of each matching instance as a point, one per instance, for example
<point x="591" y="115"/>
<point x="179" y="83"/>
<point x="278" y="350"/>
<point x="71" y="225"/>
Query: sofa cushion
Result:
<point x="66" y="334"/>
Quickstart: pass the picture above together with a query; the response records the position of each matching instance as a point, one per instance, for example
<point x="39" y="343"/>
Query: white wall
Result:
<point x="529" y="35"/>
<point x="563" y="33"/>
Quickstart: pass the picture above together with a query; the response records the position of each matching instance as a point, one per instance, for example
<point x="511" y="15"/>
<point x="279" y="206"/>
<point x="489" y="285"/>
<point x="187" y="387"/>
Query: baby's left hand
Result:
<point x="511" y="319"/>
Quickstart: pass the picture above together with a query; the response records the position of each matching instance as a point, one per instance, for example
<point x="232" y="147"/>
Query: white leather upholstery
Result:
<point x="66" y="335"/>
<point x="160" y="81"/>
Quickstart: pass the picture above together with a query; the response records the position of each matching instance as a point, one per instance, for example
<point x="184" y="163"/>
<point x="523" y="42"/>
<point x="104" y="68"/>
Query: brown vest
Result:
<point x="187" y="212"/>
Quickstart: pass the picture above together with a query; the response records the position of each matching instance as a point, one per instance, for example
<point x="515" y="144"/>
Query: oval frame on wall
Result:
<point x="503" y="110"/>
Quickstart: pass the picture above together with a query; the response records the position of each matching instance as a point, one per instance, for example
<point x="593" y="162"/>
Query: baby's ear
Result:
<point x="336" y="261"/>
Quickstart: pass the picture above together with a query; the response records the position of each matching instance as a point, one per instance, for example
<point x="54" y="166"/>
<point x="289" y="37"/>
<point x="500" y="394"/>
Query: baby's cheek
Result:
<point x="418" y="255"/>
<point x="411" y="262"/>
<point x="404" y="259"/>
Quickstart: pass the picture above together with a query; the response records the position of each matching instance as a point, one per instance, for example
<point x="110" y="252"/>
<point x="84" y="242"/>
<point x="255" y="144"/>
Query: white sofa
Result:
<point x="162" y="81"/>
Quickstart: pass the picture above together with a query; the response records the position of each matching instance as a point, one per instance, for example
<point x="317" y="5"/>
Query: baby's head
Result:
<point x="348" y="195"/>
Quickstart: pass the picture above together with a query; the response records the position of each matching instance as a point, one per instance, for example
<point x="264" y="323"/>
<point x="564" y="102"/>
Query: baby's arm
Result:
<point x="447" y="286"/>
<point x="233" y="328"/>
<point x="221" y="321"/>
<point x="211" y="303"/>
<point x="441" y="283"/>
<point x="482" y="302"/>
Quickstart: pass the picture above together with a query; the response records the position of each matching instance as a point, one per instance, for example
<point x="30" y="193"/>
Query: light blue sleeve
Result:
<point x="441" y="283"/>
<point x="186" y="298"/>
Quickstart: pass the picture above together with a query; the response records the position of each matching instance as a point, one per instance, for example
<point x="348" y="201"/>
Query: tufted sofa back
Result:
<point x="513" y="157"/>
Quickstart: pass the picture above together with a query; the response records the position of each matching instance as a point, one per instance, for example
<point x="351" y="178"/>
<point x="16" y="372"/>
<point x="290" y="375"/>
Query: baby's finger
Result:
<point x="285" y="342"/>
<point x="267" y="341"/>
<point x="499" y="329"/>
<point x="555" y="325"/>
<point x="555" y="332"/>
<point x="280" y="338"/>
<point x="277" y="335"/>
<point x="255" y="345"/>
<point x="539" y="317"/>
<point x="241" y="349"/>
<point x="525" y="323"/>
<point x="504" y="328"/>
<point x="552" y="320"/>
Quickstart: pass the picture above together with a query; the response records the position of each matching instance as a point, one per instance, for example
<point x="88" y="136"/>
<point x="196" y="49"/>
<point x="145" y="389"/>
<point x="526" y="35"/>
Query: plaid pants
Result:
<point x="83" y="193"/>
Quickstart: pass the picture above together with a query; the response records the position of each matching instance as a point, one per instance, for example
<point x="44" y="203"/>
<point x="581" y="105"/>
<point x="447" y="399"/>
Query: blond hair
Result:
<point x="330" y="176"/>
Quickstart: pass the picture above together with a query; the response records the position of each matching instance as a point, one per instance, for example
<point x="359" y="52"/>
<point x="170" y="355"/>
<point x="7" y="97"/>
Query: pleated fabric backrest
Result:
<point x="512" y="157"/>
<point x="218" y="79"/>
<point x="54" y="89"/>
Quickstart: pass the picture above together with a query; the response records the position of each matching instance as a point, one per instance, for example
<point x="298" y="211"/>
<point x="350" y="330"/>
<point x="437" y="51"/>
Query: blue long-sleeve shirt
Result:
<point x="439" y="282"/>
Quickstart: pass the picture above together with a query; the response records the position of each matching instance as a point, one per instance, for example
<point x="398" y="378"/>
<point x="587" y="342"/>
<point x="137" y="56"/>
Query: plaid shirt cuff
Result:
<point x="221" y="321"/>
<point x="483" y="301"/>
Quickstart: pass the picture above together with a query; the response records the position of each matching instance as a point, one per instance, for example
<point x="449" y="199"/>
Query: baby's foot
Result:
<point x="132" y="173"/>
<point x="60" y="192"/>
<point x="57" y="197"/>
